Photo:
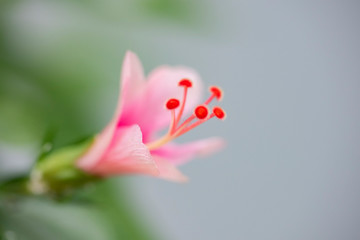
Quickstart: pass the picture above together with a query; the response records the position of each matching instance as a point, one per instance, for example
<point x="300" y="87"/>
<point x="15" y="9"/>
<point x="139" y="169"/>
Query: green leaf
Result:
<point x="103" y="211"/>
<point x="112" y="199"/>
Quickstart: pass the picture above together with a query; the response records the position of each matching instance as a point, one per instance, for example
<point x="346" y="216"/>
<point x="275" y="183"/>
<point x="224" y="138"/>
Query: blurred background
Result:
<point x="290" y="71"/>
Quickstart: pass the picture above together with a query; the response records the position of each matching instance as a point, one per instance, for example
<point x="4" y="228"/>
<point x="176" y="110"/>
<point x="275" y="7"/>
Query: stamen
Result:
<point x="201" y="112"/>
<point x="187" y="121"/>
<point x="172" y="103"/>
<point x="216" y="93"/>
<point x="185" y="129"/>
<point x="186" y="83"/>
<point x="219" y="113"/>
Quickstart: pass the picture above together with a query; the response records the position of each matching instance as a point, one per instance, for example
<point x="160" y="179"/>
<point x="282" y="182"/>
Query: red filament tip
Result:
<point x="219" y="113"/>
<point x="217" y="92"/>
<point x="185" y="83"/>
<point x="201" y="112"/>
<point x="172" y="103"/>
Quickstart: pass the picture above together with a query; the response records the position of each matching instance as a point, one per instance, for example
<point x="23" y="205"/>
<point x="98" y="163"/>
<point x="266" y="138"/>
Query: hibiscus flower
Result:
<point x="130" y="143"/>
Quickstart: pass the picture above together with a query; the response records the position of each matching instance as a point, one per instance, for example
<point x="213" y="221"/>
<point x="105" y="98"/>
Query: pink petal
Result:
<point x="181" y="153"/>
<point x="168" y="171"/>
<point x="131" y="87"/>
<point x="132" y="79"/>
<point x="98" y="148"/>
<point x="149" y="111"/>
<point x="126" y="154"/>
<point x="132" y="83"/>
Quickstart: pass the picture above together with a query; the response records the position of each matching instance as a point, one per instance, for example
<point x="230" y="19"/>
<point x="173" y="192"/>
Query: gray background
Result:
<point x="290" y="71"/>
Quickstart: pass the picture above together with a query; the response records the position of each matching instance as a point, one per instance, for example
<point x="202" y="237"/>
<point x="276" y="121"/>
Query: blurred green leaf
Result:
<point x="103" y="211"/>
<point x="119" y="212"/>
<point x="40" y="219"/>
<point x="134" y="12"/>
<point x="23" y="109"/>
<point x="177" y="10"/>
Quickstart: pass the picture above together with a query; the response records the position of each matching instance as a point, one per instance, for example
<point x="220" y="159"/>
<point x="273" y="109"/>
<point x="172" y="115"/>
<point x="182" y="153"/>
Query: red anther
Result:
<point x="217" y="92"/>
<point x="172" y="103"/>
<point x="185" y="82"/>
<point x="201" y="112"/>
<point x="219" y="112"/>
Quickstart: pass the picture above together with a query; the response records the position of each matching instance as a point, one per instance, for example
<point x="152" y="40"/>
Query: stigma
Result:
<point x="201" y="114"/>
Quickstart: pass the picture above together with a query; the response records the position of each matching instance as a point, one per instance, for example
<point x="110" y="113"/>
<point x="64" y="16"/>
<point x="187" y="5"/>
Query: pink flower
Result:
<point x="130" y="145"/>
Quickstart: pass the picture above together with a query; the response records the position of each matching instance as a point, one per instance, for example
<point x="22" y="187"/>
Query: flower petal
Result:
<point x="132" y="83"/>
<point x="132" y="78"/>
<point x="150" y="112"/>
<point x="181" y="153"/>
<point x="131" y="86"/>
<point x="98" y="148"/>
<point x="168" y="171"/>
<point x="126" y="154"/>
